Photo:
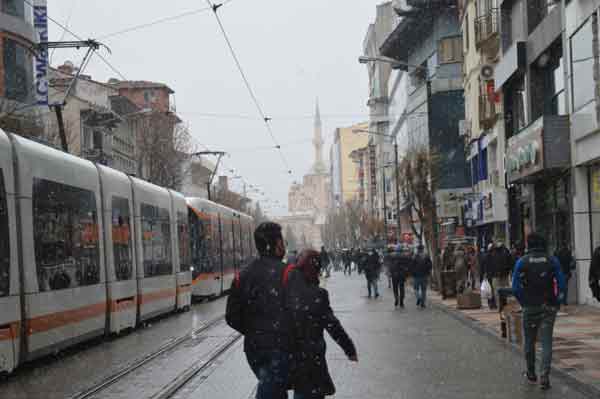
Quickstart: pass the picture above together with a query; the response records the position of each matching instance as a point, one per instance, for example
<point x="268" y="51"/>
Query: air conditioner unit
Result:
<point x="486" y="72"/>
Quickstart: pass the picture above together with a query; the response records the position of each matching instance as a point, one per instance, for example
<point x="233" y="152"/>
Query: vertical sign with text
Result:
<point x="40" y="23"/>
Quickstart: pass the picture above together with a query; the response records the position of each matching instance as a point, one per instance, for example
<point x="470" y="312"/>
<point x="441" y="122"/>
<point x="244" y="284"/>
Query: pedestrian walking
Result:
<point x="256" y="308"/>
<point x="311" y="316"/>
<point x="325" y="261"/>
<point x="567" y="265"/>
<point x="372" y="270"/>
<point x="401" y="263"/>
<point x="421" y="270"/>
<point x="498" y="266"/>
<point x="347" y="260"/>
<point x="594" y="274"/>
<point x="538" y="283"/>
<point x="460" y="269"/>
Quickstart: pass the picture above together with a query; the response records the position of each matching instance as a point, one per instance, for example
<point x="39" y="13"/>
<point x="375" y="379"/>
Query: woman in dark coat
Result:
<point x="311" y="315"/>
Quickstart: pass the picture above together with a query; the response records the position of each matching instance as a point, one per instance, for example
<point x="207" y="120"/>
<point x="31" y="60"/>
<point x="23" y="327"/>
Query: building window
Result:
<point x="450" y="50"/>
<point x="65" y="230"/>
<point x="18" y="72"/>
<point x="16" y="8"/>
<point x="156" y="241"/>
<point x="121" y="236"/>
<point x="582" y="65"/>
<point x="4" y="242"/>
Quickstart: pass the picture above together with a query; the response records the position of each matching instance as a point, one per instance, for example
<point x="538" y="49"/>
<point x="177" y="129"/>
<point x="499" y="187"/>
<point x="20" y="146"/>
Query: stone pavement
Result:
<point x="413" y="353"/>
<point x="576" y="337"/>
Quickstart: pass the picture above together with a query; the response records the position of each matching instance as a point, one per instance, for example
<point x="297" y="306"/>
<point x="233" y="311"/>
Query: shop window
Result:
<point x="594" y="186"/>
<point x="450" y="50"/>
<point x="156" y="241"/>
<point x="16" y="8"/>
<point x="183" y="239"/>
<point x="4" y="241"/>
<point x="121" y="236"/>
<point x="18" y="72"/>
<point x="582" y="65"/>
<point x="65" y="229"/>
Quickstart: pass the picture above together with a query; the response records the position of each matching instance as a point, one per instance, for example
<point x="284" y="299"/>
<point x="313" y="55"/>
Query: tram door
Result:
<point x="9" y="289"/>
<point x="221" y="271"/>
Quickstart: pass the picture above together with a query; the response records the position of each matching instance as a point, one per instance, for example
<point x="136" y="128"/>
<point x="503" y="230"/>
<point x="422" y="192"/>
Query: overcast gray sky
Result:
<point x="292" y="52"/>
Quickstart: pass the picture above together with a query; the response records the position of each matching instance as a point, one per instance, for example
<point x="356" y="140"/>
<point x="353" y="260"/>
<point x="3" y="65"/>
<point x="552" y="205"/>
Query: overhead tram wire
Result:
<point x="78" y="37"/>
<point x="264" y="117"/>
<point x="158" y="21"/>
<point x="62" y="35"/>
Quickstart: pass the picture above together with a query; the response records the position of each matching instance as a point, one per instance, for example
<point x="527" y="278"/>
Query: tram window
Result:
<point x="65" y="228"/>
<point x="156" y="238"/>
<point x="183" y="239"/>
<point x="200" y="244"/>
<point x="121" y="235"/>
<point x="4" y="241"/>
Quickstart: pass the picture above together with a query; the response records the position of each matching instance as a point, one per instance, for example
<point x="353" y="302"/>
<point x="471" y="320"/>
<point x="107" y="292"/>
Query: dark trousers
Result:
<point x="272" y="369"/>
<point x="539" y="318"/>
<point x="348" y="268"/>
<point x="398" y="288"/>
<point x="298" y="395"/>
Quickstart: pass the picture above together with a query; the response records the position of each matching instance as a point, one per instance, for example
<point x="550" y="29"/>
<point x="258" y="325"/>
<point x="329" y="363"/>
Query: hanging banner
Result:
<point x="40" y="23"/>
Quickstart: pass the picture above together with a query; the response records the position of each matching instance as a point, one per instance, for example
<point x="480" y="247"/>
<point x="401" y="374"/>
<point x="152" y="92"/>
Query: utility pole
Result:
<point x="398" y="222"/>
<point x="92" y="46"/>
<point x="385" y="225"/>
<point x="213" y="173"/>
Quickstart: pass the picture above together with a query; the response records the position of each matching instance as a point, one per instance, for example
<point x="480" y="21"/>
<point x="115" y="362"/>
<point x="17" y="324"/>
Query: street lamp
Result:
<point x="398" y="222"/>
<point x="387" y="60"/>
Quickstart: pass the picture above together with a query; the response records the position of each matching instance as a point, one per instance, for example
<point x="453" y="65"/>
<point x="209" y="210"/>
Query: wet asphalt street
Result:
<point x="410" y="353"/>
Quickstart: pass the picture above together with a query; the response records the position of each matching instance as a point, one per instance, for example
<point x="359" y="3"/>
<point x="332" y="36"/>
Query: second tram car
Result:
<point x="221" y="239"/>
<point x="86" y="250"/>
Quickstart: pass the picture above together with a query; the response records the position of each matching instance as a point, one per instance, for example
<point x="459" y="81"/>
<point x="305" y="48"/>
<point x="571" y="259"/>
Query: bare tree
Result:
<point x="419" y="171"/>
<point x="163" y="147"/>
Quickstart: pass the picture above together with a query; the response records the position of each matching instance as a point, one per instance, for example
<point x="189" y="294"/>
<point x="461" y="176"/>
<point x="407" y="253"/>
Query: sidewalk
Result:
<point x="576" y="337"/>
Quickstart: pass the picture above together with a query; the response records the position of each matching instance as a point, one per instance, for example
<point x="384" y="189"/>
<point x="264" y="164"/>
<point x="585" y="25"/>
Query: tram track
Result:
<point x="170" y="390"/>
<point x="137" y="364"/>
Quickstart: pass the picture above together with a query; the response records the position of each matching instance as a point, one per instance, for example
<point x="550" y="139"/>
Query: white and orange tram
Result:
<point x="221" y="243"/>
<point x="87" y="251"/>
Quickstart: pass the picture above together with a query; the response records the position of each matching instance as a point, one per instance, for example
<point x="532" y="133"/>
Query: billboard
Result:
<point x="40" y="24"/>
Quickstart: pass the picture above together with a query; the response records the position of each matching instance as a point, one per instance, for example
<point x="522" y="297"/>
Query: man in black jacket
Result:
<point x="421" y="272"/>
<point x="372" y="269"/>
<point x="400" y="264"/>
<point x="257" y="308"/>
<point x="539" y="284"/>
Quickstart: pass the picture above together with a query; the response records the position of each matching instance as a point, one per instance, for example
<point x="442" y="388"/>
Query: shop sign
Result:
<point x="525" y="152"/>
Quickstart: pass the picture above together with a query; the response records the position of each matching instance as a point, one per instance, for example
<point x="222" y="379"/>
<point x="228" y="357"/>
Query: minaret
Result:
<point x="319" y="166"/>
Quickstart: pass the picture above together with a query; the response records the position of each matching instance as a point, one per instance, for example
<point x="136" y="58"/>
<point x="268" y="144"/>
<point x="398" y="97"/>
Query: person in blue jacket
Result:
<point x="539" y="285"/>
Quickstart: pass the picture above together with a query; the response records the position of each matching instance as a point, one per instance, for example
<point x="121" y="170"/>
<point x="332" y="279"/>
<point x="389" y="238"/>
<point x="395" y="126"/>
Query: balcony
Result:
<point x="488" y="111"/>
<point x="487" y="32"/>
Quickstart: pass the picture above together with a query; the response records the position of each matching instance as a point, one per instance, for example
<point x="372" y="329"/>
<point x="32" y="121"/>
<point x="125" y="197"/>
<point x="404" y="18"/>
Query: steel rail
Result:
<point x="138" y="363"/>
<point x="186" y="376"/>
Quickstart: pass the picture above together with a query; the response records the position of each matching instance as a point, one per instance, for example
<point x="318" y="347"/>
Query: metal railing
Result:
<point x="487" y="26"/>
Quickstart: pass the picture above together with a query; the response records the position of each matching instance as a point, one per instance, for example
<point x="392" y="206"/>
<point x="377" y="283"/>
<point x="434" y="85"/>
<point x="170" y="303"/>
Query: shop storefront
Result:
<point x="538" y="160"/>
<point x="486" y="215"/>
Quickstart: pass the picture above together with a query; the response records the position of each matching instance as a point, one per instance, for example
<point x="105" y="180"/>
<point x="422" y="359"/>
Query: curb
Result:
<point x="576" y="383"/>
